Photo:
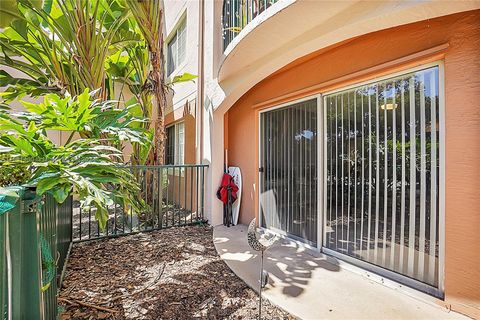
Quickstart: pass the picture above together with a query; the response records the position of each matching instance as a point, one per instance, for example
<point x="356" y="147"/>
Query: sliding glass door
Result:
<point x="382" y="174"/>
<point x="288" y="170"/>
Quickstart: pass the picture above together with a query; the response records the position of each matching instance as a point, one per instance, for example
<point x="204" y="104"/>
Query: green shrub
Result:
<point x="13" y="174"/>
<point x="92" y="165"/>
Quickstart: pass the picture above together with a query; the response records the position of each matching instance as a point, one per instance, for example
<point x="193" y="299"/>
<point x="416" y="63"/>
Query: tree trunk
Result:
<point x="159" y="87"/>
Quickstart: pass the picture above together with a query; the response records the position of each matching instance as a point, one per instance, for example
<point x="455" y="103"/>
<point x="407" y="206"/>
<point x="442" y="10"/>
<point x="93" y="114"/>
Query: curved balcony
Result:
<point x="237" y="14"/>
<point x="263" y="42"/>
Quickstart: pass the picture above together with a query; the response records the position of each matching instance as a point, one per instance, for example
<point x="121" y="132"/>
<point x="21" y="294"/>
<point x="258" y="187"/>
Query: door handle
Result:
<point x="261" y="169"/>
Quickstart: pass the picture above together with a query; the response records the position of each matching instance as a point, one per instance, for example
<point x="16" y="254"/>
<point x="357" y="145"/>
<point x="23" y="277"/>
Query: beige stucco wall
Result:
<point x="461" y="32"/>
<point x="175" y="12"/>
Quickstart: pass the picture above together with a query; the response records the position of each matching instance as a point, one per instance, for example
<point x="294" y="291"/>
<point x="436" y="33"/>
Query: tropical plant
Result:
<point x="12" y="174"/>
<point x="66" y="46"/>
<point x="87" y="117"/>
<point x="92" y="165"/>
<point x="62" y="47"/>
<point x="149" y="18"/>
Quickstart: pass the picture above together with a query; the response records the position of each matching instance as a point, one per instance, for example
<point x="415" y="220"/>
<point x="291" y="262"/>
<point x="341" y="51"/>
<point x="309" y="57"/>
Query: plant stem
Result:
<point x="70" y="138"/>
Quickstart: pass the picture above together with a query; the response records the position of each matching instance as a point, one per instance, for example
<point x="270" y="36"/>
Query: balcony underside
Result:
<point x="289" y="30"/>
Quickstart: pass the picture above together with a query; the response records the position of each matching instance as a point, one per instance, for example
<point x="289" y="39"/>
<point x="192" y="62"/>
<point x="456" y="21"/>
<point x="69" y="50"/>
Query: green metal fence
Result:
<point x="34" y="240"/>
<point x="36" y="235"/>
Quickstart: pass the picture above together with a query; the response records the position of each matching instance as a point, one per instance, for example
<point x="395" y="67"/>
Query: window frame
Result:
<point x="399" y="279"/>
<point x="180" y="28"/>
<point x="378" y="274"/>
<point x="178" y="146"/>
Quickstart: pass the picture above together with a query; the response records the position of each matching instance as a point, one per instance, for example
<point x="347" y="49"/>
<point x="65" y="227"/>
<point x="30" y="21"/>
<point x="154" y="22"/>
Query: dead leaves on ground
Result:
<point x="169" y="274"/>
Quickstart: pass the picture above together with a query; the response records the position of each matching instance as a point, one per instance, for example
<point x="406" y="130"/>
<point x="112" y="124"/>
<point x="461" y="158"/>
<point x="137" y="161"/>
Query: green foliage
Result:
<point x="67" y="46"/>
<point x="185" y="77"/>
<point x="63" y="45"/>
<point x="9" y="10"/>
<point x="92" y="165"/>
<point x="13" y="173"/>
<point x="89" y="117"/>
<point x="8" y="198"/>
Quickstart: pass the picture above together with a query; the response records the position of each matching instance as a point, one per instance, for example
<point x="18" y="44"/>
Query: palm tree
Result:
<point x="149" y="17"/>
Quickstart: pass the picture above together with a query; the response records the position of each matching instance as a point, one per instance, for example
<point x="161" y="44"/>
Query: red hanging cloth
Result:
<point x="227" y="183"/>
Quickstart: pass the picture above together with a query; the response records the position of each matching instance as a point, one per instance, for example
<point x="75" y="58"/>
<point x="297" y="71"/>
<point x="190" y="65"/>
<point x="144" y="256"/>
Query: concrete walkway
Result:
<point x="321" y="287"/>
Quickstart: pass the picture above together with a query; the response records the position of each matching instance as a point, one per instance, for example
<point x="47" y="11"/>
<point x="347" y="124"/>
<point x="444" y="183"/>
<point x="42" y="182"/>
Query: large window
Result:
<point x="175" y="147"/>
<point x="177" y="47"/>
<point x="382" y="174"/>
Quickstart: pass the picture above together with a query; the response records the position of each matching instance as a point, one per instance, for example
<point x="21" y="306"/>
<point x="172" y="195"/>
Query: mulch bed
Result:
<point x="169" y="274"/>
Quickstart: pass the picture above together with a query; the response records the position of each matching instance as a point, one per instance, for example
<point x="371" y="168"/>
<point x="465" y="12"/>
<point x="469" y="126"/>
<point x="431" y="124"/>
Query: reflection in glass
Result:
<point x="288" y="195"/>
<point x="382" y="173"/>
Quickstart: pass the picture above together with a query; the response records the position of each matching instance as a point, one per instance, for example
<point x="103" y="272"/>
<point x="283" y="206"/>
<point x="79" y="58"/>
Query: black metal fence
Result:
<point x="238" y="13"/>
<point x="173" y="195"/>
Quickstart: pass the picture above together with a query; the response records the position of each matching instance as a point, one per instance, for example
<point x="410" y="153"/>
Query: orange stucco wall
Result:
<point x="462" y="107"/>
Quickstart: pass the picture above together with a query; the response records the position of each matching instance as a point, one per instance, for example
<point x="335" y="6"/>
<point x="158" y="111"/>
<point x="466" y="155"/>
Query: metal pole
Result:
<point x="260" y="291"/>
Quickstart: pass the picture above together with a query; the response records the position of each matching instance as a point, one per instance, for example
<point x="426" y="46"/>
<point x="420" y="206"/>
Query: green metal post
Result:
<point x="24" y="248"/>
<point x="3" y="268"/>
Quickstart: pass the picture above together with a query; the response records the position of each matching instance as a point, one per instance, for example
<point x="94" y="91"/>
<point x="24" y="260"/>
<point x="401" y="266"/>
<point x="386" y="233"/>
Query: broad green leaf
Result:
<point x="34" y="107"/>
<point x="8" y="198"/>
<point x="61" y="192"/>
<point x="185" y="77"/>
<point x="20" y="26"/>
<point x="47" y="184"/>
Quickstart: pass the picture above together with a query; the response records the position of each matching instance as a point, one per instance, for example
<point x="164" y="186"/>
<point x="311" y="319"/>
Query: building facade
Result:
<point x="355" y="125"/>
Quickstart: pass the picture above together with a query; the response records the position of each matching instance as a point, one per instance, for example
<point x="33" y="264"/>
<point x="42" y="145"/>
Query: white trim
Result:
<point x="396" y="279"/>
<point x="385" y="77"/>
<point x="441" y="178"/>
<point x="176" y="143"/>
<point x="321" y="165"/>
<point x="343" y="262"/>
<point x="181" y="22"/>
<point x="289" y="103"/>
<point x="176" y="25"/>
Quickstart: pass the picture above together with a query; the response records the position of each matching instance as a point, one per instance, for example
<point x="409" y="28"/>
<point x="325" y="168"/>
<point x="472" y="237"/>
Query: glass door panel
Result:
<point x="382" y="174"/>
<point x="288" y="178"/>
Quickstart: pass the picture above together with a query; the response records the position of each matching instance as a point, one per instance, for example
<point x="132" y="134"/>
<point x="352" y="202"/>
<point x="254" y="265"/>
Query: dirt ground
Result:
<point x="169" y="274"/>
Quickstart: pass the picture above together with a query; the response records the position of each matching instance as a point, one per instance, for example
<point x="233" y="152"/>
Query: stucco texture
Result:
<point x="462" y="95"/>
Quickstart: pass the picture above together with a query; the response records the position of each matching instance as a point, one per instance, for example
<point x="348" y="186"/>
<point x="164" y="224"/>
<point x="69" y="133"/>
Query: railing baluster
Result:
<point x="89" y="222"/>
<point x="173" y="196"/>
<point x="71" y="219"/>
<point x="114" y="218"/>
<point x="185" y="196"/>
<point x="160" y="200"/>
<point x="196" y="193"/>
<point x="179" y="202"/>
<point x="237" y="14"/>
<point x="191" y="194"/>
<point x="179" y="196"/>
<point x="202" y="186"/>
<point x="80" y="227"/>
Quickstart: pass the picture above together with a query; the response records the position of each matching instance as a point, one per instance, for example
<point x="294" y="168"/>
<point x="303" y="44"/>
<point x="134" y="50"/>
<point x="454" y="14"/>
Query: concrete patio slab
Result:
<point x="321" y="287"/>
